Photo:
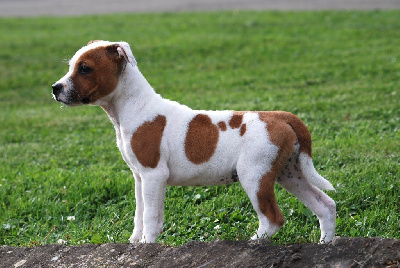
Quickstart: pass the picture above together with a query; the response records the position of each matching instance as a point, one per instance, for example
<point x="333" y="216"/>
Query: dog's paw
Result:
<point x="135" y="237"/>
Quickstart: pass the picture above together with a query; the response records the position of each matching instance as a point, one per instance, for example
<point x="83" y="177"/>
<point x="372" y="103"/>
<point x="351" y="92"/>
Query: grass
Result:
<point x="339" y="71"/>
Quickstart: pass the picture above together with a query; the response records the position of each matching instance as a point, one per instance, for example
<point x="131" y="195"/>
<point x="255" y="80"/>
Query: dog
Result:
<point x="167" y="143"/>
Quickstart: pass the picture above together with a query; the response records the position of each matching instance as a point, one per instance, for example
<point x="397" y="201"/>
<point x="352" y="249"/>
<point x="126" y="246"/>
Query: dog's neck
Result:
<point x="133" y="93"/>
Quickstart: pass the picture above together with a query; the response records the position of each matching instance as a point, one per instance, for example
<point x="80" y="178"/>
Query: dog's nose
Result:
<point x="57" y="88"/>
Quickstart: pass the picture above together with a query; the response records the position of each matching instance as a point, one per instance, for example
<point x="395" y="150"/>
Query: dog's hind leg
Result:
<point x="258" y="181"/>
<point x="294" y="181"/>
<point x="258" y="167"/>
<point x="263" y="200"/>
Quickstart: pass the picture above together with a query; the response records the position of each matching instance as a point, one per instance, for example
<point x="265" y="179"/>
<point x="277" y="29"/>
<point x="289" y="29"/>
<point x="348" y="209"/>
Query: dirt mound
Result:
<point x="342" y="252"/>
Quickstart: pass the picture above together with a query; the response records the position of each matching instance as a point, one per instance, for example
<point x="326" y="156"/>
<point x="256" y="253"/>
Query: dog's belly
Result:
<point x="204" y="179"/>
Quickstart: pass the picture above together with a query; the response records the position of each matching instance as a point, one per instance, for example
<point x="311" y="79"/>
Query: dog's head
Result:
<point x="94" y="72"/>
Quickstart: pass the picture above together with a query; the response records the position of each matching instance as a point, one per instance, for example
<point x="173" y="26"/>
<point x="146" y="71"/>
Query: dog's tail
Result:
<point x="312" y="176"/>
<point x="306" y="164"/>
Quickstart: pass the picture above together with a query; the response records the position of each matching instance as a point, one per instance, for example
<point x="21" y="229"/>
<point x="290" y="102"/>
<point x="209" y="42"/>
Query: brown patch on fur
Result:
<point x="242" y="129"/>
<point x="267" y="201"/>
<point x="283" y="129"/>
<point x="222" y="125"/>
<point x="236" y="119"/>
<point x="201" y="139"/>
<point x="146" y="141"/>
<point x="300" y="129"/>
<point x="106" y="65"/>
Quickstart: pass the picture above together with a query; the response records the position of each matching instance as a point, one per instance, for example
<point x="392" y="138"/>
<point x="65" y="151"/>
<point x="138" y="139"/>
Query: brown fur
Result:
<point x="201" y="139"/>
<point x="146" y="141"/>
<point x="222" y="125"/>
<point x="302" y="133"/>
<point x="236" y="119"/>
<point x="106" y="64"/>
<point x="242" y="129"/>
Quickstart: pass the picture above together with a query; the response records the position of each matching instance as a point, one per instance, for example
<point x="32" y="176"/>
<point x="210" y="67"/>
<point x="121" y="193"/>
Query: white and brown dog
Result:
<point x="166" y="143"/>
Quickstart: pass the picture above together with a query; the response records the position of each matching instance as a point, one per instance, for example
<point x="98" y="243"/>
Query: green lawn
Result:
<point x="339" y="71"/>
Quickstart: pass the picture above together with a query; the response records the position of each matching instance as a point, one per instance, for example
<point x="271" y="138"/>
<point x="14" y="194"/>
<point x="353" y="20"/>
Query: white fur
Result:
<point x="134" y="102"/>
<point x="312" y="175"/>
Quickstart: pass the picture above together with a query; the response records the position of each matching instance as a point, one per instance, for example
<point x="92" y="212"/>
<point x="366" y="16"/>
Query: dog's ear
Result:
<point x="121" y="50"/>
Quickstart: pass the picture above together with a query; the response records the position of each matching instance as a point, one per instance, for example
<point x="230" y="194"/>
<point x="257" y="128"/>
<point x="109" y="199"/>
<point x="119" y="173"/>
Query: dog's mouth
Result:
<point x="68" y="101"/>
<point x="57" y="98"/>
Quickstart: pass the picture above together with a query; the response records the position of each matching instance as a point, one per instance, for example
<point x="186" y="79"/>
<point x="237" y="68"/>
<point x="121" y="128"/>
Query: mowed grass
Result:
<point x="339" y="71"/>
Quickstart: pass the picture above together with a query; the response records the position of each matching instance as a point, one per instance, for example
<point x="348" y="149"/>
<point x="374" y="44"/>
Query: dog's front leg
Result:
<point x="138" y="229"/>
<point x="154" y="186"/>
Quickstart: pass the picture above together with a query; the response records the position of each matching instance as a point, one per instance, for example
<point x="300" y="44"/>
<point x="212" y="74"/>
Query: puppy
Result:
<point x="166" y="143"/>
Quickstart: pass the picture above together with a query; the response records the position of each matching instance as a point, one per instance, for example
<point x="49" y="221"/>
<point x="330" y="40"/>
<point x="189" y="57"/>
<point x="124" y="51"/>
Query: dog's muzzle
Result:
<point x="57" y="89"/>
<point x="62" y="94"/>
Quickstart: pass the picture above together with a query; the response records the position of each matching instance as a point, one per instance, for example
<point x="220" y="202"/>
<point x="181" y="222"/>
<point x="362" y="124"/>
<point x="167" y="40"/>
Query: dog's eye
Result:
<point x="83" y="69"/>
